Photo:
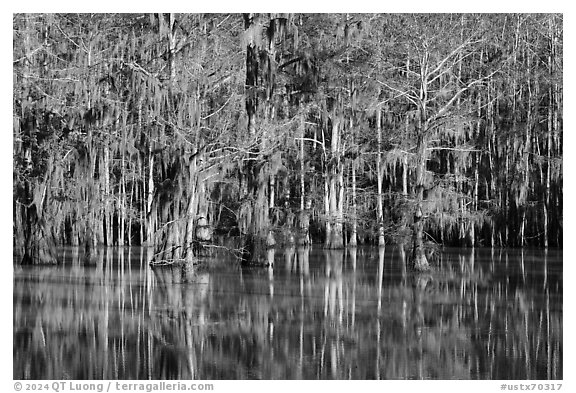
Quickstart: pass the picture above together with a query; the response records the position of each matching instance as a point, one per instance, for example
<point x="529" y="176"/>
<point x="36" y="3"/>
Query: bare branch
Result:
<point x="27" y="55"/>
<point x="448" y="68"/>
<point x="311" y="140"/>
<point x="453" y="53"/>
<point x="70" y="39"/>
<point x="389" y="99"/>
<point x="454" y="149"/>
<point x="30" y="76"/>
<point x="219" y="109"/>
<point x="449" y="104"/>
<point x="411" y="98"/>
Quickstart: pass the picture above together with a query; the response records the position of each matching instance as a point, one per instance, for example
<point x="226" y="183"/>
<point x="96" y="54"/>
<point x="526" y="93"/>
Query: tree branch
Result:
<point x="453" y="53"/>
<point x="411" y="98"/>
<point x="27" y="55"/>
<point x="219" y="109"/>
<point x="449" y="104"/>
<point x="448" y="68"/>
<point x="454" y="149"/>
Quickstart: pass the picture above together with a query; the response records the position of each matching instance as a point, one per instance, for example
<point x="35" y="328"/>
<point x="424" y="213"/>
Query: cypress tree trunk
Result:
<point x="380" y="178"/>
<point x="419" y="260"/>
<point x="176" y="200"/>
<point x="258" y="233"/>
<point x="191" y="211"/>
<point x="39" y="243"/>
<point x="178" y="205"/>
<point x="335" y="191"/>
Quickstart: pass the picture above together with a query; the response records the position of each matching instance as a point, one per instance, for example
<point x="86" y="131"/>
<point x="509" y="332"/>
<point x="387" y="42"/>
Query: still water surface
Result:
<point x="486" y="314"/>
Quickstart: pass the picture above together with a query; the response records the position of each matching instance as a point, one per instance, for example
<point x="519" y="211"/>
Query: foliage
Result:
<point x="128" y="128"/>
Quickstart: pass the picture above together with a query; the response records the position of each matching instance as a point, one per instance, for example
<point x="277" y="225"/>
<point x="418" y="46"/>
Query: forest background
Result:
<point x="338" y="128"/>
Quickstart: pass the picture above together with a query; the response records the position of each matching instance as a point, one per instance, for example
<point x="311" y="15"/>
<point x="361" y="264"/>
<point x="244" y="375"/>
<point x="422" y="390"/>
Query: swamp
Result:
<point x="287" y="196"/>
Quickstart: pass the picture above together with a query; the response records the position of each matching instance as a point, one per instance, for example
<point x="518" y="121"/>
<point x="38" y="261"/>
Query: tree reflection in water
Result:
<point x="488" y="314"/>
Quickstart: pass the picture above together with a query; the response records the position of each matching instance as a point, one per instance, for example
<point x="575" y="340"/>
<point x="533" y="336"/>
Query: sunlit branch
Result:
<point x="415" y="100"/>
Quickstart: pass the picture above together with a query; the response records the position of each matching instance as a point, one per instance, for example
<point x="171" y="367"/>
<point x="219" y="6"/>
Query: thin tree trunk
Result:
<point x="171" y="34"/>
<point x="526" y="158"/>
<point x="129" y="229"/>
<point x="380" y="178"/>
<point x="150" y="225"/>
<point x="549" y="131"/>
<point x="191" y="211"/>
<point x="328" y="225"/>
<point x="122" y="202"/>
<point x="302" y="173"/>
<point x="353" y="241"/>
<point x="271" y="186"/>
<point x="515" y="98"/>
<point x="107" y="195"/>
<point x="492" y="193"/>
<point x="251" y="78"/>
<point x="405" y="168"/>
<point x="142" y="203"/>
<point x="304" y="217"/>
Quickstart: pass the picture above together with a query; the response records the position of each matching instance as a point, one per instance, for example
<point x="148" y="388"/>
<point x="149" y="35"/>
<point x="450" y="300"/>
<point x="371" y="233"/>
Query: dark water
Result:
<point x="487" y="314"/>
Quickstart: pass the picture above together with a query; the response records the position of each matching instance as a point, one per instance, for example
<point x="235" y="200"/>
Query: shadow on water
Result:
<point x="312" y="314"/>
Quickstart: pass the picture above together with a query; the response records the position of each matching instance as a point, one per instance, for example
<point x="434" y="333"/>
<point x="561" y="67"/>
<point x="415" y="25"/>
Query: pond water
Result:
<point x="317" y="314"/>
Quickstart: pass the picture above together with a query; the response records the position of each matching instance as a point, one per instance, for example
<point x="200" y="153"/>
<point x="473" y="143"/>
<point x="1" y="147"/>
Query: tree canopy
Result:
<point x="342" y="128"/>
